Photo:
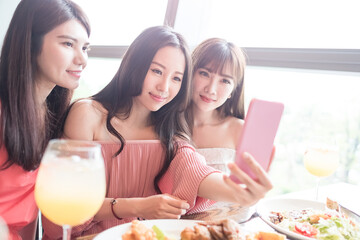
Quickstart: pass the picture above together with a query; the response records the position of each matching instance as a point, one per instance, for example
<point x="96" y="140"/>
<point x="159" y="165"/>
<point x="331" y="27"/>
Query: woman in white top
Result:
<point x="217" y="110"/>
<point x="215" y="115"/>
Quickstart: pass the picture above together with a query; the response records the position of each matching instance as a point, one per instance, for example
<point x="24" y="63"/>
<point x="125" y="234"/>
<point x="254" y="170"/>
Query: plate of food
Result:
<point x="172" y="229"/>
<point x="307" y="220"/>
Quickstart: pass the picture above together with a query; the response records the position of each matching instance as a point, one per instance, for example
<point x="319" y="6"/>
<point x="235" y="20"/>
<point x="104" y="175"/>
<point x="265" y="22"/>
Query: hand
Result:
<point x="162" y="206"/>
<point x="250" y="191"/>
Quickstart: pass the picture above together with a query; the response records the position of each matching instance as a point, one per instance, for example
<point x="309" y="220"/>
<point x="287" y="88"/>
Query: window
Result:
<point x="272" y="24"/>
<point x="115" y="22"/>
<point x="316" y="103"/>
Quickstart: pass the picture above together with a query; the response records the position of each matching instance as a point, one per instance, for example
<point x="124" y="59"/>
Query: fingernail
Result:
<point x="186" y="206"/>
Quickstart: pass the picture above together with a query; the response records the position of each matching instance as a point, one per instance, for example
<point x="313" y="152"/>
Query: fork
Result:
<point x="254" y="215"/>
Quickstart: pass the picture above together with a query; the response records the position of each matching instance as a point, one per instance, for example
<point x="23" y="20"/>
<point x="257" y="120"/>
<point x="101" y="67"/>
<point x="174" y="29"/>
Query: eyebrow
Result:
<point x="72" y="38"/>
<point x="153" y="62"/>
<point x="223" y="75"/>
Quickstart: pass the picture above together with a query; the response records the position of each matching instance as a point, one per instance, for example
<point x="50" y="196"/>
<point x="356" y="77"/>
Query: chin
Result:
<point x="72" y="86"/>
<point x="155" y="108"/>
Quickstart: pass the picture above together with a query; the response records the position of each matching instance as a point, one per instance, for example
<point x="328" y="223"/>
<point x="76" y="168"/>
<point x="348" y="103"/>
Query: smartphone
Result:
<point x="257" y="138"/>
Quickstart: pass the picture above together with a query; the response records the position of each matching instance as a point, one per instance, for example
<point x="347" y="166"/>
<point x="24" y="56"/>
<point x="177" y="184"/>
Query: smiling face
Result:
<point x="212" y="89"/>
<point x="63" y="56"/>
<point x="163" y="79"/>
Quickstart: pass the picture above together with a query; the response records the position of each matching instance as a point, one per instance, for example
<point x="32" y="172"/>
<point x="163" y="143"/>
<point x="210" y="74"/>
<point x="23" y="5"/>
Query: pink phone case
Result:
<point x="259" y="131"/>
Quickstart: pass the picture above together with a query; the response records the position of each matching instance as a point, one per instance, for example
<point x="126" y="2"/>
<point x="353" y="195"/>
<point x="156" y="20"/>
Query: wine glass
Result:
<point x="70" y="186"/>
<point x="321" y="158"/>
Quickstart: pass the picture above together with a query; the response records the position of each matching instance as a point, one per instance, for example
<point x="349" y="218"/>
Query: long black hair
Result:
<point x="25" y="131"/>
<point x="117" y="96"/>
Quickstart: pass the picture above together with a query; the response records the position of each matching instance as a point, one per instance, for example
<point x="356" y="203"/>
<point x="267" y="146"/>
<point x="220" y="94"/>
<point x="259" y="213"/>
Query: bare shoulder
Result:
<point x="88" y="106"/>
<point x="235" y="124"/>
<point x="234" y="128"/>
<point x="84" y="117"/>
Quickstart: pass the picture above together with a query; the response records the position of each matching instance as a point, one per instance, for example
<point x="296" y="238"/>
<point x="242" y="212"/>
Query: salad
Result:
<point x="324" y="225"/>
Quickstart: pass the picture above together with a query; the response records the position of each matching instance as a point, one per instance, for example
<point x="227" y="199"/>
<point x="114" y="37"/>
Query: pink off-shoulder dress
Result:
<point x="132" y="173"/>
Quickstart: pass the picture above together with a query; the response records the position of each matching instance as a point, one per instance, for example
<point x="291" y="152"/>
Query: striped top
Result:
<point x="132" y="174"/>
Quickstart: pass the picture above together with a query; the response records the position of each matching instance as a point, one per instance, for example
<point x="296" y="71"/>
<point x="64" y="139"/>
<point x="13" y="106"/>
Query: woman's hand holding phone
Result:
<point x="250" y="190"/>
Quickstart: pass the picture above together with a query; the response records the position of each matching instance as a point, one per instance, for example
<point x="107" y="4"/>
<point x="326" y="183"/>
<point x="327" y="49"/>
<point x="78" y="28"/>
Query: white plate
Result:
<point x="265" y="207"/>
<point x="171" y="227"/>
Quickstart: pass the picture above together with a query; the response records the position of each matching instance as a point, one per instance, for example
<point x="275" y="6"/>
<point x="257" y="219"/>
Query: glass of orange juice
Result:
<point x="70" y="186"/>
<point x="321" y="158"/>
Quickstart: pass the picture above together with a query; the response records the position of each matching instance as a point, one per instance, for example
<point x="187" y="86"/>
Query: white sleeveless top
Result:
<point x="218" y="158"/>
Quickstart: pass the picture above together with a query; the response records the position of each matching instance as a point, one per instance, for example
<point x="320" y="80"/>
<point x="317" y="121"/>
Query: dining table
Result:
<point x="346" y="194"/>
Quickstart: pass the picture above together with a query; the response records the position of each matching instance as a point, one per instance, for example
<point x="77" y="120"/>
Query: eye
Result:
<point x="156" y="71"/>
<point x="68" y="44"/>
<point x="204" y="73"/>
<point x="226" y="81"/>
<point x="177" y="79"/>
<point x="86" y="48"/>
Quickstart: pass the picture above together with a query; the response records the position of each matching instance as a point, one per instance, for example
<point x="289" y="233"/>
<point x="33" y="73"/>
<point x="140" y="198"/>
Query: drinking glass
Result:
<point x="321" y="158"/>
<point x="70" y="186"/>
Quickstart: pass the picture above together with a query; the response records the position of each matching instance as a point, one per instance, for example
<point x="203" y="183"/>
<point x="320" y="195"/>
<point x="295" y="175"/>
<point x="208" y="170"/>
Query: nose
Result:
<point x="81" y="58"/>
<point x="210" y="88"/>
<point x="163" y="84"/>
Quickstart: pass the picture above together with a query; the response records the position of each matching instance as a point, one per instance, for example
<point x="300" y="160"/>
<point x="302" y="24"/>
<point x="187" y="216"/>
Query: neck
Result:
<point x="205" y="118"/>
<point x="139" y="116"/>
<point x="43" y="90"/>
<point x="137" y="125"/>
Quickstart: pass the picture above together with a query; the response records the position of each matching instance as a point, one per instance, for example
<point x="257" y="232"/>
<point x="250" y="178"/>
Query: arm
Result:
<point x="154" y="207"/>
<point x="219" y="187"/>
<point x="188" y="177"/>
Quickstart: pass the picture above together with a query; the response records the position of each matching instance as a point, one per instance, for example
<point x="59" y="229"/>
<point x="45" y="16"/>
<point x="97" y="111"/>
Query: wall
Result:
<point x="7" y="8"/>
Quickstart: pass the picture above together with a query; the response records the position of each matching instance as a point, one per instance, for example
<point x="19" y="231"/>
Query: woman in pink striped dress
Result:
<point x="152" y="171"/>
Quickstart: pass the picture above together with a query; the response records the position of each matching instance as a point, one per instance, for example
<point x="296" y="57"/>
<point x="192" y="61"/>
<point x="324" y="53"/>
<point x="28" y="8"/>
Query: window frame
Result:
<point x="302" y="58"/>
